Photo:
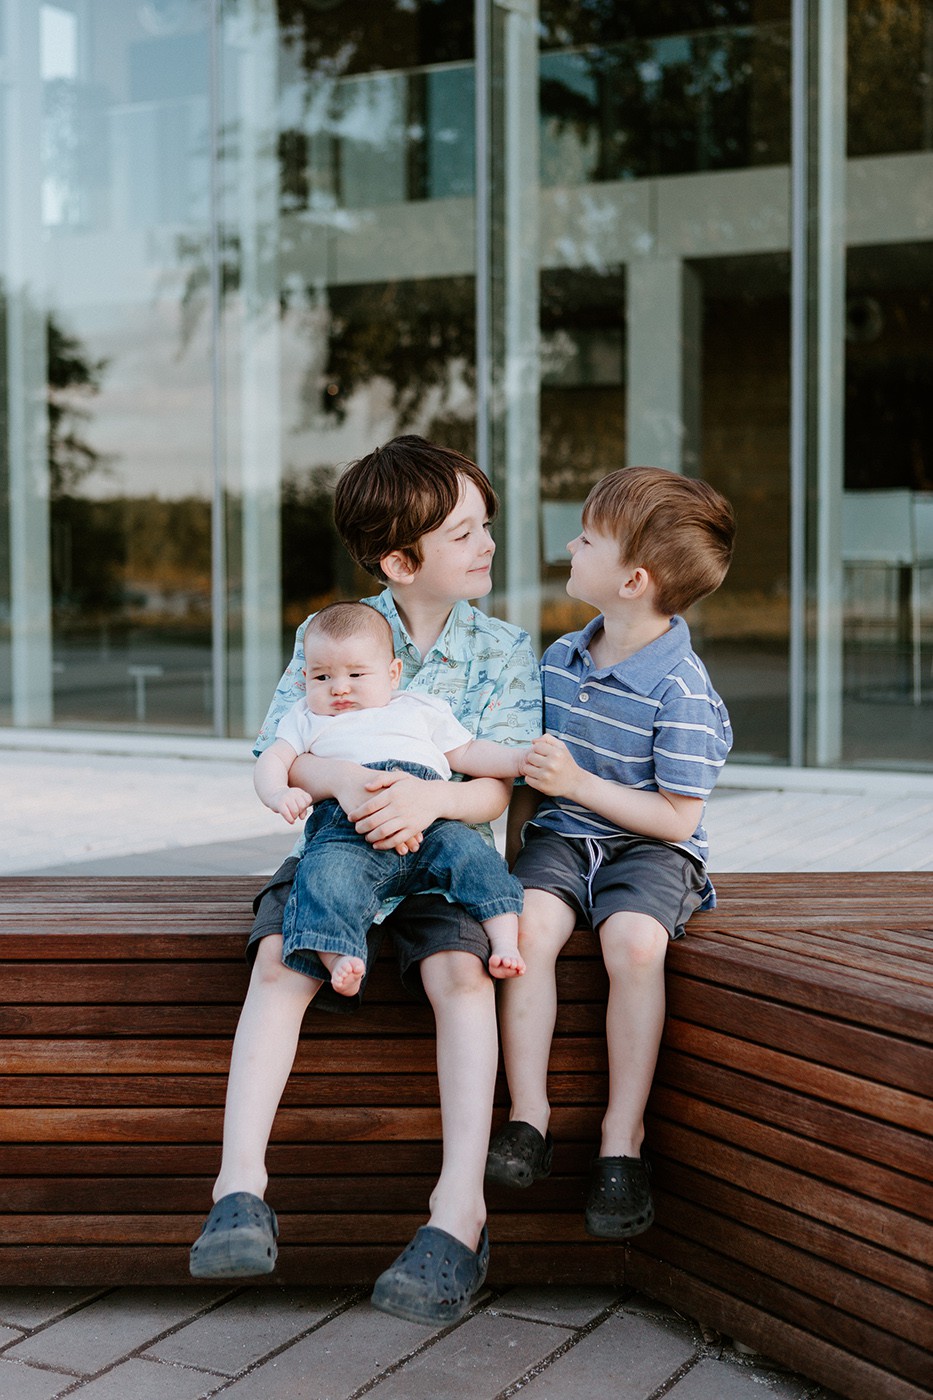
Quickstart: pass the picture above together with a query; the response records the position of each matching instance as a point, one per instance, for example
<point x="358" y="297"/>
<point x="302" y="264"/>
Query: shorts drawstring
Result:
<point x="595" y="851"/>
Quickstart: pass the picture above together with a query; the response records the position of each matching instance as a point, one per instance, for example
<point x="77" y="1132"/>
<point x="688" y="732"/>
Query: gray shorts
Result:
<point x="616" y="875"/>
<point x="422" y="925"/>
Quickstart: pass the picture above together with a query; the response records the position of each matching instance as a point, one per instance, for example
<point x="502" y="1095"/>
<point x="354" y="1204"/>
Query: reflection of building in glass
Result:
<point x="233" y="259"/>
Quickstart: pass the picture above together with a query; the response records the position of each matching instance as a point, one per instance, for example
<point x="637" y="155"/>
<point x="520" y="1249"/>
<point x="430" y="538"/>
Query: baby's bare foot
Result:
<point x="506" y="962"/>
<point x="346" y="974"/>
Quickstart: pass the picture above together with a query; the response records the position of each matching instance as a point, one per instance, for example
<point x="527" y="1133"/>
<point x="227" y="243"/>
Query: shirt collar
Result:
<point x="645" y="670"/>
<point x="455" y="641"/>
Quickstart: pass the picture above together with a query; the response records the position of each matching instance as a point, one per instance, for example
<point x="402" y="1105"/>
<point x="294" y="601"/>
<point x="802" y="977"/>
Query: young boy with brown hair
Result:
<point x="635" y="737"/>
<point x="417" y="516"/>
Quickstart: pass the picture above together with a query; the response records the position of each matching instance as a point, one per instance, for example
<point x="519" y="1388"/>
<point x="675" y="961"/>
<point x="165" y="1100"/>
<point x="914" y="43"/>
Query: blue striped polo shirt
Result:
<point x="651" y="721"/>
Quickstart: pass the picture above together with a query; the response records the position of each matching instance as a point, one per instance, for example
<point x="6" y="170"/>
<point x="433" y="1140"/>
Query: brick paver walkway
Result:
<point x="329" y="1344"/>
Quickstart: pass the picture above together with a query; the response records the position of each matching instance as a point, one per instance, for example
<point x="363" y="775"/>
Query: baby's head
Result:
<point x="350" y="661"/>
<point x="678" y="528"/>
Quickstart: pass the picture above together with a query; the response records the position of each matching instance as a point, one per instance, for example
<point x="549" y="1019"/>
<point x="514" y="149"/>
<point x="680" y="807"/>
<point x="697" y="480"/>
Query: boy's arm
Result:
<point x="353" y="787"/>
<point x="666" y="816"/>
<point x="331" y="777"/>
<point x="271" y="781"/>
<point x="483" y="758"/>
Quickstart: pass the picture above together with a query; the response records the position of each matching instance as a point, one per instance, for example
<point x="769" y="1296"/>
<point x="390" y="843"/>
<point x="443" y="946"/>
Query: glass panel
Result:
<point x="887" y="513"/>
<point x="716" y="98"/>
<point x="349" y="303"/>
<point x="665" y="302"/>
<point x="98" y="259"/>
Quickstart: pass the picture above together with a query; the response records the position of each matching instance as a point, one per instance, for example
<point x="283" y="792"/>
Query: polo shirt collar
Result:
<point x="645" y="670"/>
<point x="455" y="641"/>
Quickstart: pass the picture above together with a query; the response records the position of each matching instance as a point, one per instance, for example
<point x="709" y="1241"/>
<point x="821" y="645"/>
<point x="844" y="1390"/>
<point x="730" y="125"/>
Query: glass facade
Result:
<point x="242" y="242"/>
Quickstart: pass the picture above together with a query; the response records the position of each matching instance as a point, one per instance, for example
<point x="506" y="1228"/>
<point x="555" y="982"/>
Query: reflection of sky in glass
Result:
<point x="58" y="63"/>
<point x="58" y="43"/>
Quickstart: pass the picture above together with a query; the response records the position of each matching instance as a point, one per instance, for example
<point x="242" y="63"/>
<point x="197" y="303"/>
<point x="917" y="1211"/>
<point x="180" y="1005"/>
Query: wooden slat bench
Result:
<point x="790" y="1124"/>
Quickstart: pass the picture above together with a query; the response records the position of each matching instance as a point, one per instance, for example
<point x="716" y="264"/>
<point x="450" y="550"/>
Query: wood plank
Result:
<point x="890" y="1059"/>
<point x="121" y="982"/>
<point x="782" y="1221"/>
<point x="871" y="1220"/>
<point x="758" y="1096"/>
<point x="710" y="1049"/>
<point x="153" y="1125"/>
<point x="890" y="1184"/>
<point x="135" y="1022"/>
<point x="902" y="1011"/>
<point x="161" y="1057"/>
<point x="59" y="1159"/>
<point x="815" y="1276"/>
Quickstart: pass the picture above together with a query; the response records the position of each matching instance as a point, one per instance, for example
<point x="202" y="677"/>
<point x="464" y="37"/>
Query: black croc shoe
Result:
<point x="519" y="1155"/>
<point x="238" y="1239"/>
<point x="434" y="1279"/>
<point x="619" y="1203"/>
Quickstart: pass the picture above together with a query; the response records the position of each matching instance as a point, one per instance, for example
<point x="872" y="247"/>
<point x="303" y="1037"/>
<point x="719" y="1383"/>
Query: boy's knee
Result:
<point x="270" y="971"/>
<point x="452" y="973"/>
<point x="637" y="940"/>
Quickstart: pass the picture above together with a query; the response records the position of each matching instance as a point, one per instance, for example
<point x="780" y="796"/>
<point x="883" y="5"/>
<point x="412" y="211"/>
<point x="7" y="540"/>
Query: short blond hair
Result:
<point x="681" y="529"/>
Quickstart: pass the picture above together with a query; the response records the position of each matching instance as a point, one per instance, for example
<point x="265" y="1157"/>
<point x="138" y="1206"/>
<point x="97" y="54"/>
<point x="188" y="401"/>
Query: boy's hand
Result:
<point x="399" y="809"/>
<point x="290" y="803"/>
<point x="548" y="767"/>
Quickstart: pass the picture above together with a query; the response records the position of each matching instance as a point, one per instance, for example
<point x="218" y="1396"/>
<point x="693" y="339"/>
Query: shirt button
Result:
<point x="584" y="695"/>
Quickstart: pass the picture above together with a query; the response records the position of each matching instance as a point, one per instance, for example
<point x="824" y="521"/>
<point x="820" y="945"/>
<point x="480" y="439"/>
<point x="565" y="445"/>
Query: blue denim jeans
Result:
<point x="341" y="881"/>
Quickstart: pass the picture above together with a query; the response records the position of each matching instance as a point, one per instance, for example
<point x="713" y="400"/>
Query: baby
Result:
<point x="354" y="710"/>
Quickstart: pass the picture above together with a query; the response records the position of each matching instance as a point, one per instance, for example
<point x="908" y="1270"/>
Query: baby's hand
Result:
<point x="291" y="803"/>
<point x="548" y="767"/>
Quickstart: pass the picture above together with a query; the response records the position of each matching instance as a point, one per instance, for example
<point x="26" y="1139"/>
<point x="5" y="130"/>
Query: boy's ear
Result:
<point x="635" y="584"/>
<point x="397" y="567"/>
<point x="395" y="673"/>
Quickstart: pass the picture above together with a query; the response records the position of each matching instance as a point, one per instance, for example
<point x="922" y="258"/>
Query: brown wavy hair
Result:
<point x="389" y="499"/>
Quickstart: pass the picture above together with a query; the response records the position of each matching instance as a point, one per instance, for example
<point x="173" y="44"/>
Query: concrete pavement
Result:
<point x="329" y="1344"/>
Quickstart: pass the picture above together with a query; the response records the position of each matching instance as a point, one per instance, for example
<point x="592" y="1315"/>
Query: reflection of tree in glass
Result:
<point x="330" y="39"/>
<point x="73" y="380"/>
<point x="417" y="336"/>
<point x="890" y="76"/>
<point x="309" y="544"/>
<point x="87" y="545"/>
<point x="664" y="103"/>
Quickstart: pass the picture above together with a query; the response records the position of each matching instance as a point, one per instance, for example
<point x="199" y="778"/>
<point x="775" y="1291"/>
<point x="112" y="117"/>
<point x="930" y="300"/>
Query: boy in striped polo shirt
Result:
<point x="611" y="818"/>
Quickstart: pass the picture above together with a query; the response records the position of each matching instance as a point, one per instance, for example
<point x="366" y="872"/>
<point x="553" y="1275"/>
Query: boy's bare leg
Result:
<point x="634" y="947"/>
<point x="504" y="960"/>
<point x="263" y="1054"/>
<point x="463" y="1000"/>
<point x="346" y="972"/>
<point x="528" y="1006"/>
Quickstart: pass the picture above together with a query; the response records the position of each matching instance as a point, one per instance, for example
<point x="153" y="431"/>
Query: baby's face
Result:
<point x="352" y="673"/>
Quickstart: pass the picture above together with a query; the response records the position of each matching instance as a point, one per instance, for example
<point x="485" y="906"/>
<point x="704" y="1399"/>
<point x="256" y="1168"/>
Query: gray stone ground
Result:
<point x="85" y="813"/>
<point x="329" y="1344"/>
